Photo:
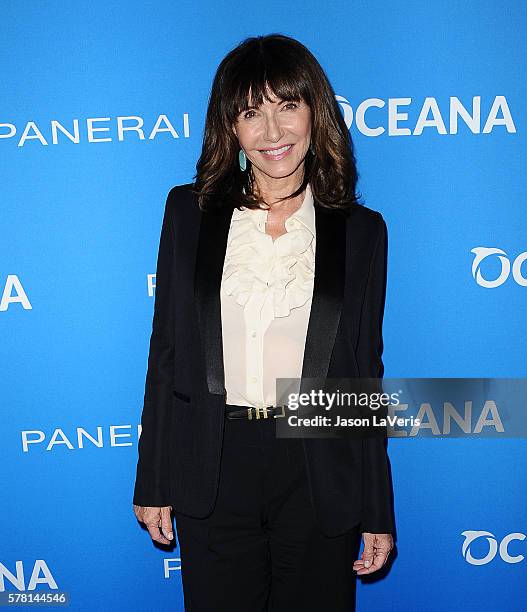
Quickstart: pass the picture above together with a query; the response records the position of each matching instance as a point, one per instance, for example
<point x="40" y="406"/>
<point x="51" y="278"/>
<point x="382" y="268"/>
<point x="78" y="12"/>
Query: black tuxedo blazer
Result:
<point x="183" y="414"/>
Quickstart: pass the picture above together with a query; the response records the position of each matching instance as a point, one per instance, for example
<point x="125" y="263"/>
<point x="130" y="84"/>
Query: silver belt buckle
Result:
<point x="263" y="409"/>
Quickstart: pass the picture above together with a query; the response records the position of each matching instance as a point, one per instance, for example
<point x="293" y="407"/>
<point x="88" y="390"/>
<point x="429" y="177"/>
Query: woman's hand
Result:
<point x="377" y="547"/>
<point x="157" y="521"/>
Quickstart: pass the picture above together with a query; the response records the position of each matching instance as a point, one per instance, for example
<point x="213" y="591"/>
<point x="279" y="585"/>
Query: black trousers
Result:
<point x="260" y="549"/>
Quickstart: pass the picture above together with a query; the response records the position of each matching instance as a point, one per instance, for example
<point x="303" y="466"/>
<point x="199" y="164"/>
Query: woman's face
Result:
<point x="263" y="131"/>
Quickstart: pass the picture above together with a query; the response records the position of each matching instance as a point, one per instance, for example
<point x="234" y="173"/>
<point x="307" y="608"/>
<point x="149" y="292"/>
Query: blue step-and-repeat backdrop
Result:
<point x="101" y="112"/>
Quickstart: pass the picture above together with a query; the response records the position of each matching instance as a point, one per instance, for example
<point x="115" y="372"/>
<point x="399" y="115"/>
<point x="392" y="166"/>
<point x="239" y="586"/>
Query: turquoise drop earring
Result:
<point x="242" y="158"/>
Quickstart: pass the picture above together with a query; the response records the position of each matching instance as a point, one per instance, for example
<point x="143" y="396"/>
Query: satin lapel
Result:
<point x="328" y="292"/>
<point x="212" y="245"/>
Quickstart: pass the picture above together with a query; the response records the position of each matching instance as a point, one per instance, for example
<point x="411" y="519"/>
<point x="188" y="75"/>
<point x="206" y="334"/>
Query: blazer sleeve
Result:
<point x="152" y="477"/>
<point x="377" y="513"/>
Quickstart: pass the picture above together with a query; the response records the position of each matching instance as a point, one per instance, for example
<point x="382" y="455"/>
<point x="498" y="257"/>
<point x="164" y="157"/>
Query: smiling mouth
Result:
<point x="276" y="152"/>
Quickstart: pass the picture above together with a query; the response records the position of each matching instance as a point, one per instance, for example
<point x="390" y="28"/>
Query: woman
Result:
<point x="268" y="267"/>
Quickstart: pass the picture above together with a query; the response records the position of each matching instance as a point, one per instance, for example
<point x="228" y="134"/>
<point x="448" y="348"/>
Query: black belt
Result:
<point x="254" y="412"/>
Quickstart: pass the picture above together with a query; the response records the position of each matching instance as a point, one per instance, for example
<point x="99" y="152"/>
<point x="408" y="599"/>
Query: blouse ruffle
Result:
<point x="285" y="272"/>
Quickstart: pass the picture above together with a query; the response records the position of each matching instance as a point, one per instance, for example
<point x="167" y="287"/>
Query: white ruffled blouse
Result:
<point x="266" y="294"/>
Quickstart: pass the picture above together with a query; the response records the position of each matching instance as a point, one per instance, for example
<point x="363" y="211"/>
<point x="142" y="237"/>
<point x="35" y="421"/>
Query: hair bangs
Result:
<point x="269" y="82"/>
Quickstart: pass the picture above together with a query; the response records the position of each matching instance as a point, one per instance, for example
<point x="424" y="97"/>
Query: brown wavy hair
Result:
<point x="286" y="68"/>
